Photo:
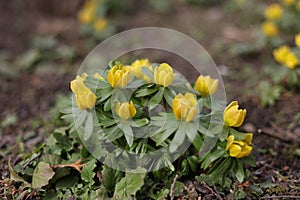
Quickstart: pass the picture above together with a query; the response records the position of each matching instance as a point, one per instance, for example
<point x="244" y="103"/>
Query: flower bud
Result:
<point x="233" y="116"/>
<point x="163" y="75"/>
<point x="85" y="98"/>
<point x="118" y="76"/>
<point x="206" y="85"/>
<point x="185" y="107"/>
<point x="125" y="110"/>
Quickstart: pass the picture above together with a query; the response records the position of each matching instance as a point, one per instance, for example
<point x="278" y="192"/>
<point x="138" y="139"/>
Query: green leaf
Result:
<point x="197" y="142"/>
<point x="156" y="99"/>
<point x="211" y="157"/>
<point x="177" y="140"/>
<point x="89" y="124"/>
<point x="169" y="96"/>
<point x="239" y="173"/>
<point x="87" y="173"/>
<point x="136" y="84"/>
<point x="13" y="175"/>
<point x="145" y="92"/>
<point x="110" y="177"/>
<point x="140" y="122"/>
<point x="178" y="189"/>
<point x="125" y="127"/>
<point x="67" y="182"/>
<point x="63" y="141"/>
<point x="269" y="93"/>
<point x="130" y="184"/>
<point x="148" y="73"/>
<point x="41" y="175"/>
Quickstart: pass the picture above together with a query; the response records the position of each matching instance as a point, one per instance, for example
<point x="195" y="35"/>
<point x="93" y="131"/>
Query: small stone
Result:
<point x="249" y="127"/>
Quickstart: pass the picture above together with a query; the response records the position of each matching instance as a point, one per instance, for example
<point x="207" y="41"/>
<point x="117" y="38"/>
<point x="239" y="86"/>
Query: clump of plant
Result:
<point x="93" y="19"/>
<point x="281" y="21"/>
<point x="121" y="115"/>
<point x="286" y="76"/>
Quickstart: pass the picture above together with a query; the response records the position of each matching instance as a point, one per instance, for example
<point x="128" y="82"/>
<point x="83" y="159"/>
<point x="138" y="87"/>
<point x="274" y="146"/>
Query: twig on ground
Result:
<point x="282" y="196"/>
<point x="212" y="191"/>
<point x="77" y="165"/>
<point x="279" y="133"/>
<point x="32" y="159"/>
<point x="172" y="187"/>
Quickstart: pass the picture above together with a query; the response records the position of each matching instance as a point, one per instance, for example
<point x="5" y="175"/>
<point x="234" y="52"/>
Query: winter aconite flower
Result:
<point x="163" y="75"/>
<point x="297" y="39"/>
<point x="239" y="148"/>
<point x="281" y="53"/>
<point x="85" y="98"/>
<point x="88" y="12"/>
<point x="206" y="85"/>
<point x="185" y="107"/>
<point x="291" y="61"/>
<point x="136" y="68"/>
<point x="270" y="29"/>
<point x="100" y="24"/>
<point x="285" y="56"/>
<point x="118" y="76"/>
<point x="273" y="12"/>
<point x="125" y="110"/>
<point x="233" y="116"/>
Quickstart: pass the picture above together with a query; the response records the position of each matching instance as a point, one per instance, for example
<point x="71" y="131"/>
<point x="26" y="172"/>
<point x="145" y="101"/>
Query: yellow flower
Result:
<point x="285" y="56"/>
<point x="273" y="12"/>
<point x="233" y="116"/>
<point x="185" y="107"/>
<point x="288" y="2"/>
<point x="239" y="148"/>
<point x="270" y="29"/>
<point x="100" y="24"/>
<point x="118" y="76"/>
<point x="206" y="85"/>
<point x="281" y="53"/>
<point x="125" y="110"/>
<point x="137" y="66"/>
<point x="291" y="61"/>
<point x="163" y="75"/>
<point x="97" y="75"/>
<point x="85" y="98"/>
<point x="297" y="39"/>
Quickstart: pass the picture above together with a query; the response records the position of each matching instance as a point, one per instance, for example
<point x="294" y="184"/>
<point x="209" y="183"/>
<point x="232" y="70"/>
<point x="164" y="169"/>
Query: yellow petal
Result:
<point x="234" y="150"/>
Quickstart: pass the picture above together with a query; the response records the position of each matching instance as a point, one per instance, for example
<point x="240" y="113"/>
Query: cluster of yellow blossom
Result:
<point x="234" y="117"/>
<point x="88" y="15"/>
<point x="272" y="13"/>
<point x="185" y="107"/>
<point x="285" y="56"/>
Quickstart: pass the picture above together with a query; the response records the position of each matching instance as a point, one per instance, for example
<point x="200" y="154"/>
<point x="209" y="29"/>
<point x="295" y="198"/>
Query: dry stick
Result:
<point x="290" y="135"/>
<point x="212" y="191"/>
<point x="172" y="187"/>
<point x="279" y="197"/>
<point x="75" y="165"/>
<point x="281" y="134"/>
<point x="32" y="159"/>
